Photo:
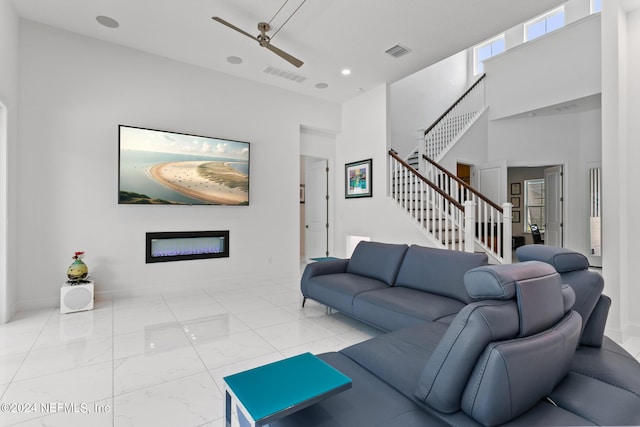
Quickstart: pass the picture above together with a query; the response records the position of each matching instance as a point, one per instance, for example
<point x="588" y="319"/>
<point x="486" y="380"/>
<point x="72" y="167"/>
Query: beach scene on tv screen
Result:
<point x="158" y="167"/>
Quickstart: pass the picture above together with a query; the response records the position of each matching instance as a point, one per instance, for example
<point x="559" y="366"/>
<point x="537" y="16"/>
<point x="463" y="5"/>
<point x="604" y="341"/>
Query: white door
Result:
<point x="316" y="209"/>
<point x="553" y="206"/>
<point x="490" y="179"/>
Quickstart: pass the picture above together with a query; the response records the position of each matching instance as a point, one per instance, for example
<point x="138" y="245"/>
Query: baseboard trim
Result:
<point x="631" y="330"/>
<point x="614" y="333"/>
<point x="101" y="294"/>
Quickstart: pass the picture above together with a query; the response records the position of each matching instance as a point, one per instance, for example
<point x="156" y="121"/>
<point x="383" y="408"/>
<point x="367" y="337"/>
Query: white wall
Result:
<point x="9" y="24"/>
<point x="419" y="99"/>
<point x="472" y="148"/>
<point x="74" y="91"/>
<point x="364" y="136"/>
<point x="556" y="68"/>
<point x="571" y="140"/>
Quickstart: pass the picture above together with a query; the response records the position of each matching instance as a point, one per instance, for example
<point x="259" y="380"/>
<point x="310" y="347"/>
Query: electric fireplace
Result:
<point x="186" y="245"/>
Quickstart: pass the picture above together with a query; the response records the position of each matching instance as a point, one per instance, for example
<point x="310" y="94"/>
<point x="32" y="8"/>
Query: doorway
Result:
<point x="463" y="171"/>
<point x="315" y="208"/>
<point x="536" y="194"/>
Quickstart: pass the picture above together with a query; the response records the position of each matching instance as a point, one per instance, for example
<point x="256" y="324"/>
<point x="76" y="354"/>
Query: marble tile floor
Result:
<point x="158" y="360"/>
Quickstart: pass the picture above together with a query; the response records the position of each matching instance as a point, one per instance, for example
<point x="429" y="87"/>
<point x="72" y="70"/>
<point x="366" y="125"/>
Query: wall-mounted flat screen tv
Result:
<point x="160" y="167"/>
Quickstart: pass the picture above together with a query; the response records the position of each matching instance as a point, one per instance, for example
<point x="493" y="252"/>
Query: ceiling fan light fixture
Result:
<point x="346" y="72"/>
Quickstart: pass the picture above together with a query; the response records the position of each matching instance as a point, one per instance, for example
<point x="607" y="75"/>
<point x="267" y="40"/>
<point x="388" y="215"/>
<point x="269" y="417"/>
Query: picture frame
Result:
<point x="302" y="195"/>
<point x="515" y="216"/>
<point x="515" y="202"/>
<point x="515" y="188"/>
<point x="358" y="177"/>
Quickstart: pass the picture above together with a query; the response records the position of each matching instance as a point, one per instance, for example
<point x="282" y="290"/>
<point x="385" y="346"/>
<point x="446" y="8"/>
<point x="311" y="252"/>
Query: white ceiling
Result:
<point x="328" y="35"/>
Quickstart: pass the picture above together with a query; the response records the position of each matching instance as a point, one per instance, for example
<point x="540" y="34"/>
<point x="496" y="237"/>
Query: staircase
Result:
<point x="437" y="139"/>
<point x="447" y="209"/>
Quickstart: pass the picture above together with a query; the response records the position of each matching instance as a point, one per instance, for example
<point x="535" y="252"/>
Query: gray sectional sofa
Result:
<point x="513" y="345"/>
<point x="392" y="286"/>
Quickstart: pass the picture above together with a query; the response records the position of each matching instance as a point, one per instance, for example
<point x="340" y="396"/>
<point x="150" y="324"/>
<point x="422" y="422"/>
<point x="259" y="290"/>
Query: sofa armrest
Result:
<point x="593" y="332"/>
<point x="335" y="266"/>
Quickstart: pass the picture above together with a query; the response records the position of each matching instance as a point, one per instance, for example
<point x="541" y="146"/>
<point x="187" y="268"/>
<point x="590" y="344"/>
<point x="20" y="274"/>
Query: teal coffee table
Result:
<point x="273" y="391"/>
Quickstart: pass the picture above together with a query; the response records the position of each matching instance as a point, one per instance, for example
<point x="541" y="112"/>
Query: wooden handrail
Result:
<point x="450" y="199"/>
<point x="464" y="184"/>
<point x="454" y="104"/>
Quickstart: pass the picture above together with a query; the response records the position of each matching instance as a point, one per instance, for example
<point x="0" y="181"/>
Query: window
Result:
<point x="596" y="6"/>
<point x="534" y="204"/>
<point x="544" y="24"/>
<point x="486" y="50"/>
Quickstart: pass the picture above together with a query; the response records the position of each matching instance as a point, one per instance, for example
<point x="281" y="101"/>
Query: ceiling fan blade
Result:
<point x="263" y="42"/>
<point x="284" y="55"/>
<point x="233" y="27"/>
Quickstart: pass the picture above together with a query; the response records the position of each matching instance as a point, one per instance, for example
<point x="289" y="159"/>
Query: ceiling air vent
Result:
<point x="397" y="51"/>
<point x="285" y="74"/>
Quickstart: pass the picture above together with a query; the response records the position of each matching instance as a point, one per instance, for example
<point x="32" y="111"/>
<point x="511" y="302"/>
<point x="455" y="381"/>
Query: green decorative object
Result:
<point x="78" y="270"/>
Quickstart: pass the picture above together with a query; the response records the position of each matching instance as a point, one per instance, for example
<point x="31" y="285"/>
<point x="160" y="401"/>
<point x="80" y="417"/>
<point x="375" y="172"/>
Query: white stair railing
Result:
<point x="436" y="140"/>
<point x="455" y="215"/>
<point x="441" y="135"/>
<point x="493" y="222"/>
<point x="441" y="216"/>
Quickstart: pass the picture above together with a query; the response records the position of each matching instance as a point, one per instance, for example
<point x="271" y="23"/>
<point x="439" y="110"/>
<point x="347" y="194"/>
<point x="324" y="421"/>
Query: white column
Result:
<point x="469" y="226"/>
<point x="506" y="232"/>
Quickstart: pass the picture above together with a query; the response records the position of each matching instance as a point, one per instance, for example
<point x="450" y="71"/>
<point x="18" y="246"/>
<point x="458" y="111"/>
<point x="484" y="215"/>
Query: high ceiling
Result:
<point x="328" y="35"/>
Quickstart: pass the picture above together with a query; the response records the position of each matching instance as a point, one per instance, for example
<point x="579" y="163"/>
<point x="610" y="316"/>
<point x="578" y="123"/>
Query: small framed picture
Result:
<point x="515" y="216"/>
<point x="515" y="202"/>
<point x="515" y="188"/>
<point x="358" y="179"/>
<point x="301" y="193"/>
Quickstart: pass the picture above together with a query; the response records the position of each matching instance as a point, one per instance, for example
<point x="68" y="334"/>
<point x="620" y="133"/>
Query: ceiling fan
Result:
<point x="263" y="40"/>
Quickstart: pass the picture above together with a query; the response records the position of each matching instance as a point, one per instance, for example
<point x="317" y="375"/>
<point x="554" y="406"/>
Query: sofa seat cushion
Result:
<point x="602" y="403"/>
<point x="399" y="357"/>
<point x="376" y="260"/>
<point x="369" y="402"/>
<point x="438" y="271"/>
<point x="396" y="307"/>
<point x="339" y="290"/>
<point x="608" y="376"/>
<point x="545" y="414"/>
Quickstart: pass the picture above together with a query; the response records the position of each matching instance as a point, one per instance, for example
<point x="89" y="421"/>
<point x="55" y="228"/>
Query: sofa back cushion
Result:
<point x="376" y="260"/>
<point x="512" y="376"/>
<point x="516" y="302"/>
<point x="574" y="270"/>
<point x="438" y="271"/>
<point x="447" y="371"/>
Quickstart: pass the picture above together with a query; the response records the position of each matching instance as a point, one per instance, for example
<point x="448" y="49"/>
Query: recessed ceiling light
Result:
<point x="346" y="72"/>
<point x="234" y="60"/>
<point x="107" y="21"/>
<point x="321" y="85"/>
